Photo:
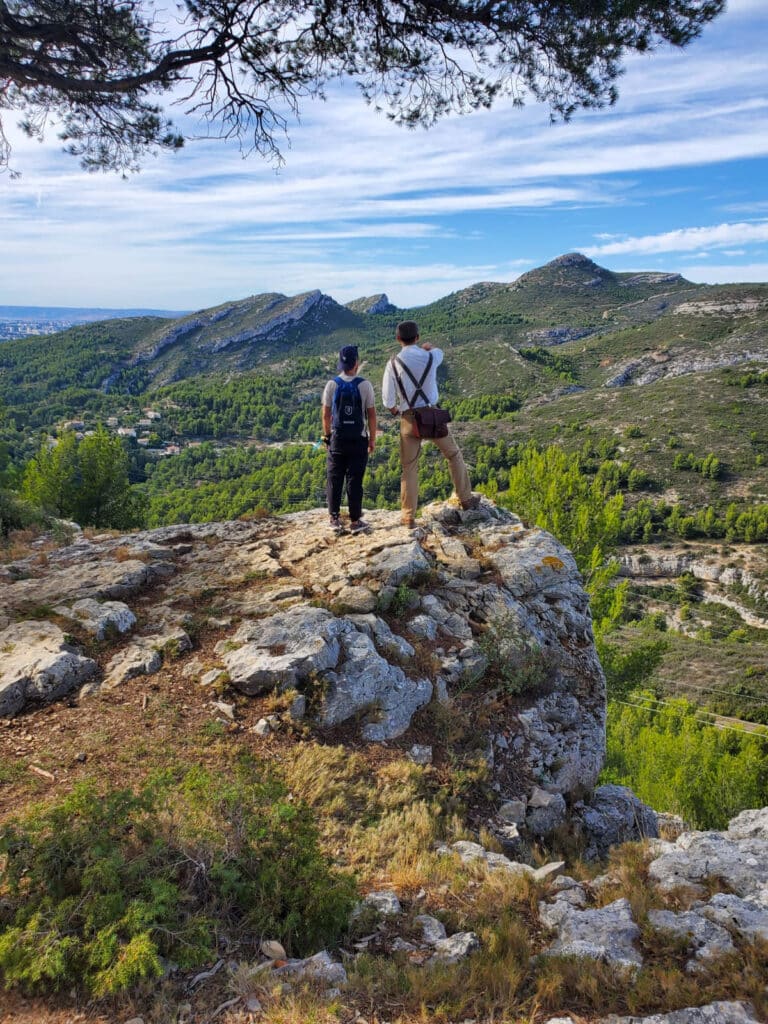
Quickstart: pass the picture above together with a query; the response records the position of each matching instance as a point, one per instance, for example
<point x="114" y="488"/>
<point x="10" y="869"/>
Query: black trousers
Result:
<point x="346" y="462"/>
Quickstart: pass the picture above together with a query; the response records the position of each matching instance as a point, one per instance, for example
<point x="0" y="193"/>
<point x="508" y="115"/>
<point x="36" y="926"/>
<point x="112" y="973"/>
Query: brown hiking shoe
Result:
<point x="474" y="502"/>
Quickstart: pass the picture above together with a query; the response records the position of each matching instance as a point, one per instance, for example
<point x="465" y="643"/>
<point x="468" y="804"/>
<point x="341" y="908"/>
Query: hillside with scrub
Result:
<point x="169" y="468"/>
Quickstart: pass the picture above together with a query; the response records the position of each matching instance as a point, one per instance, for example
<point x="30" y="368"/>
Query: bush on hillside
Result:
<point x="16" y="514"/>
<point x="98" y="889"/>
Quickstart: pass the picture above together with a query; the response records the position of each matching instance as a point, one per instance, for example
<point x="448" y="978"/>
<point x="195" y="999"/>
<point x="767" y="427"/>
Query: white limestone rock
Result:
<point x="469" y="852"/>
<point x="284" y="650"/>
<point x="320" y="968"/>
<point x="696" y="856"/>
<point x="141" y="658"/>
<point x="387" y="643"/>
<point x="706" y="941"/>
<point x="422" y="627"/>
<point x="385" y="903"/>
<point x="433" y="931"/>
<point x="37" y="665"/>
<point x="420" y="753"/>
<point x="99" y="618"/>
<point x="744" y="918"/>
<point x="607" y="934"/>
<point x="455" y="948"/>
<point x="397" y="564"/>
<point x="367" y="684"/>
<point x="751" y="824"/>
<point x="713" y="1013"/>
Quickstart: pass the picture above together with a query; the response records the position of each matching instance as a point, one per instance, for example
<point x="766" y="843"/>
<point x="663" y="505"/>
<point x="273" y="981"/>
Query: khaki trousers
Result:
<point x="410" y="448"/>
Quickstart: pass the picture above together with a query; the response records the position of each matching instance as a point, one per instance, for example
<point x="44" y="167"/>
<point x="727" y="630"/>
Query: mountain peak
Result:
<point x="372" y="304"/>
<point x="571" y="270"/>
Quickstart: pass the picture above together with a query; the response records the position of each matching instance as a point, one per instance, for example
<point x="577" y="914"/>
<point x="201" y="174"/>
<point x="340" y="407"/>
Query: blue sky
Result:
<point x="674" y="177"/>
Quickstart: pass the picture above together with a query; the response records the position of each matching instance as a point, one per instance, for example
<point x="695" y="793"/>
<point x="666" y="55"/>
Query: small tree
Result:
<point x="87" y="482"/>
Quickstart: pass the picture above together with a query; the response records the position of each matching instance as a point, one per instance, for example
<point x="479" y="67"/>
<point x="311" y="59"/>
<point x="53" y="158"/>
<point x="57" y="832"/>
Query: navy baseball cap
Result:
<point x="348" y="356"/>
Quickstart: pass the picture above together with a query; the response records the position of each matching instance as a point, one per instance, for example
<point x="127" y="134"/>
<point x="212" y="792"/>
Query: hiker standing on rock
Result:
<point x="409" y="390"/>
<point x="349" y="433"/>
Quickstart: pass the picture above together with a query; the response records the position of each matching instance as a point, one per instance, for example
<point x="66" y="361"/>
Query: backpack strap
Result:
<point x="418" y="384"/>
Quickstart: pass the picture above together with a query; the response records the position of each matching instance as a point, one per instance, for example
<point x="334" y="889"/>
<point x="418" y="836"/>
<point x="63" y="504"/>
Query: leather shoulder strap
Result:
<point x="417" y="384"/>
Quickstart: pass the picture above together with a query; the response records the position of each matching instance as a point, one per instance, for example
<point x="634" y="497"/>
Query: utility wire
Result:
<point x="725" y="693"/>
<point x="760" y="733"/>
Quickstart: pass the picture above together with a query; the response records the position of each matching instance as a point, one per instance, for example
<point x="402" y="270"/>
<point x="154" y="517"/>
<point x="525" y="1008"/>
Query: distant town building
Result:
<point x="126" y="432"/>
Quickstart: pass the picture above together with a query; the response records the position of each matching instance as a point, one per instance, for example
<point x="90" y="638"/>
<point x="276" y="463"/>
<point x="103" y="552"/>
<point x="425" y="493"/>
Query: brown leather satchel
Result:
<point x="431" y="421"/>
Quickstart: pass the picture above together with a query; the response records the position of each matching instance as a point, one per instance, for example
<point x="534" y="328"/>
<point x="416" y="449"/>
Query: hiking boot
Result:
<point x="358" y="526"/>
<point x="474" y="502"/>
<point x="336" y="524"/>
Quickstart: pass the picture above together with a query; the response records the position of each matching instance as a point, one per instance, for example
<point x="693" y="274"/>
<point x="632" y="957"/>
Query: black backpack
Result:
<point x="347" y="410"/>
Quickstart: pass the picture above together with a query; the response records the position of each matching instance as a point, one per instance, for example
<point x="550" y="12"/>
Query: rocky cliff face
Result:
<point x="366" y="629"/>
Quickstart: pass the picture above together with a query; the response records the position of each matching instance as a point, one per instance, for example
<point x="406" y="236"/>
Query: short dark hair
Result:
<point x="408" y="331"/>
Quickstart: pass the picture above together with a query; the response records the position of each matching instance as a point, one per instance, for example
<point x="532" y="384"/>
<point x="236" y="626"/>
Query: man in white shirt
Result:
<point x="402" y="401"/>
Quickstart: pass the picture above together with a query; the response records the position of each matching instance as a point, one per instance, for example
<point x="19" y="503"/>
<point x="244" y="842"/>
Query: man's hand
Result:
<point x="371" y="446"/>
<point x="426" y="346"/>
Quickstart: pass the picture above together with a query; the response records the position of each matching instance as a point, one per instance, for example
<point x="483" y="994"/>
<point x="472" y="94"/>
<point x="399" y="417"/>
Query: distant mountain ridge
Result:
<point x="607" y="328"/>
<point x="82" y="314"/>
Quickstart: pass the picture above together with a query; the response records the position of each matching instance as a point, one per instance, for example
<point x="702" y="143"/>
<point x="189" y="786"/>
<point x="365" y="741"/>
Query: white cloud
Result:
<point x="204" y="223"/>
<point x="685" y="240"/>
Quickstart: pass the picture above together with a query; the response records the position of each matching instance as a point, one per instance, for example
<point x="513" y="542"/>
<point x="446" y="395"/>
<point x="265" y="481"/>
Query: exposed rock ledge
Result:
<point x="303" y="609"/>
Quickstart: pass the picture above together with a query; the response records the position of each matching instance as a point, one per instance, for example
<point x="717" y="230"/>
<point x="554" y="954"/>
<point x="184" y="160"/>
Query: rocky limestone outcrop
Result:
<point x="372" y="304"/>
<point x="730" y="582"/>
<point x="365" y="628"/>
<point x="709" y="925"/>
<point x="588" y="921"/>
<point x="650" y="369"/>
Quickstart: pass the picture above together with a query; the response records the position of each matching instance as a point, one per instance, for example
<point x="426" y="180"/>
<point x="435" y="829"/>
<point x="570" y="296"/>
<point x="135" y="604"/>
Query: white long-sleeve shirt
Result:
<point x="416" y="360"/>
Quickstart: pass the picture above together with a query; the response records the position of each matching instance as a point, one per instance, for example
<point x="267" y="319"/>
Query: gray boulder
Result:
<point x="141" y="658"/>
<point x="706" y="941"/>
<point x="284" y="650"/>
<point x="384" y="902"/>
<point x="608" y="934"/>
<point x="713" y="1013"/>
<point x="99" y="618"/>
<point x="457" y="947"/>
<point x="367" y="684"/>
<point x="433" y="931"/>
<point x="697" y="856"/>
<point x="38" y="666"/>
<point x="744" y="918"/>
<point x="614" y="815"/>
<point x="545" y="812"/>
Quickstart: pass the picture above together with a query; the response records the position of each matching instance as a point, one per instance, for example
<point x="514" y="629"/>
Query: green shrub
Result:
<point x="515" y="661"/>
<point x="98" y="889"/>
<point x="16" y="514"/>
